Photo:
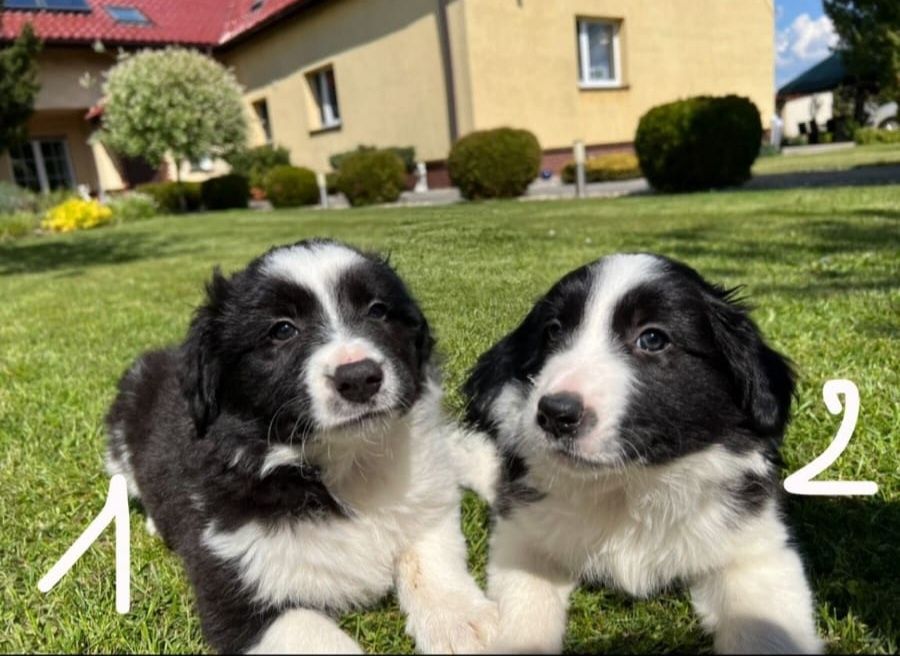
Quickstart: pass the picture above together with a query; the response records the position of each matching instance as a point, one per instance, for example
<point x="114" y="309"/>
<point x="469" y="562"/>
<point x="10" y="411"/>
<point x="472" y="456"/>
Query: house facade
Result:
<point x="324" y="76"/>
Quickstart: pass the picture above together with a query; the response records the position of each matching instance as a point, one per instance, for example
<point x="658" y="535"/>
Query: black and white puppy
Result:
<point x="638" y="414"/>
<point x="292" y="452"/>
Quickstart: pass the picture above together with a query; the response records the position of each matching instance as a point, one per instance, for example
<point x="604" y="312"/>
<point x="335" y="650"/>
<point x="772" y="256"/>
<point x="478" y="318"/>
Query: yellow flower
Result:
<point x="76" y="214"/>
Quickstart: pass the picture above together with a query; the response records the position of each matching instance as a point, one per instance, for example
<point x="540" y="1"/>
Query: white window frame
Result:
<point x="324" y="101"/>
<point x="35" y="145"/>
<point x="584" y="54"/>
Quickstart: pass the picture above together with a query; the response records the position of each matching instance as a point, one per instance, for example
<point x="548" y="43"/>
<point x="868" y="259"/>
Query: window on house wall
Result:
<point x="325" y="92"/>
<point x="42" y="165"/>
<point x="261" y="109"/>
<point x="599" y="59"/>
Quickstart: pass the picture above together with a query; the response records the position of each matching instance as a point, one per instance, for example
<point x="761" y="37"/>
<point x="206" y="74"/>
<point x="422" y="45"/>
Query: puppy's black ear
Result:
<point x="502" y="363"/>
<point x="763" y="379"/>
<point x="201" y="366"/>
<point x="424" y="343"/>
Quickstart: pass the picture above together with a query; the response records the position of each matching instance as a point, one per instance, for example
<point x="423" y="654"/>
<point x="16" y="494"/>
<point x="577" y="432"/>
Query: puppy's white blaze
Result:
<point x="593" y="365"/>
<point x="317" y="268"/>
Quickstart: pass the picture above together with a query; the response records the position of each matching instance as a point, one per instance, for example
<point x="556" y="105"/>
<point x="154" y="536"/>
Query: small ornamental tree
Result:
<point x="18" y="86"/>
<point x="174" y="102"/>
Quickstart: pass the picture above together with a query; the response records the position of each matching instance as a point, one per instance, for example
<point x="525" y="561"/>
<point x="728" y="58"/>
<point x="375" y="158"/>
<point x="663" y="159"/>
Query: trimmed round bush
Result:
<point x="291" y="186"/>
<point x="133" y="206"/>
<point x="704" y="142"/>
<point x="173" y="197"/>
<point x="602" y="168"/>
<point x="368" y="177"/>
<point x="225" y="192"/>
<point x="255" y="163"/>
<point x="498" y="163"/>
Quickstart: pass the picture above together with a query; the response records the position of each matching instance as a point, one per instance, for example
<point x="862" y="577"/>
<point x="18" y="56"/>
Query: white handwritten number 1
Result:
<point x="800" y="482"/>
<point x="114" y="510"/>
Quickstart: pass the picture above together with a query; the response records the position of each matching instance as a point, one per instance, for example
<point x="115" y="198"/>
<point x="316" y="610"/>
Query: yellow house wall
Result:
<point x="523" y="62"/>
<point x="62" y="73"/>
<point x="387" y="67"/>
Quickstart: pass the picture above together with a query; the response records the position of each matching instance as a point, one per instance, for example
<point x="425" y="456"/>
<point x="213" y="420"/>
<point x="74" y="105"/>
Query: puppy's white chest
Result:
<point x="338" y="563"/>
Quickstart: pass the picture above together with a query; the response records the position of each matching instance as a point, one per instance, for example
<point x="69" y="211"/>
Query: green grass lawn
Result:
<point x="835" y="160"/>
<point x="822" y="265"/>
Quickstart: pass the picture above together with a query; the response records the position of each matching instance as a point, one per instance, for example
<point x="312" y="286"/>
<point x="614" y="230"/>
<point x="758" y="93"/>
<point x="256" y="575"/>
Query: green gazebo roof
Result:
<point x="824" y="76"/>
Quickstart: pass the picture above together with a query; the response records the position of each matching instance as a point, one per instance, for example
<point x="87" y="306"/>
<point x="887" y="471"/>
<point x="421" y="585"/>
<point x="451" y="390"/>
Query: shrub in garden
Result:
<point x="76" y="214"/>
<point x="498" y="163"/>
<point x="133" y="206"/>
<point x="225" y="192"/>
<point x="367" y="177"/>
<point x="866" y="136"/>
<point x="173" y="197"/>
<point x="291" y="186"/>
<point x="699" y="143"/>
<point x="18" y="224"/>
<point x="611" y="166"/>
<point x="16" y="199"/>
<point x="255" y="163"/>
<point x="405" y="153"/>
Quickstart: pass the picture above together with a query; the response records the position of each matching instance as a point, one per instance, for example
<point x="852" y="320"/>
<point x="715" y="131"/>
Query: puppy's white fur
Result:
<point x="639" y="528"/>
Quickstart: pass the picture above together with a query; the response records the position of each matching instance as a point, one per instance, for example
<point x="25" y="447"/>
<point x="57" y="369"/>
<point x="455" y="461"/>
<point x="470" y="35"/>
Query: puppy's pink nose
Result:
<point x="358" y="381"/>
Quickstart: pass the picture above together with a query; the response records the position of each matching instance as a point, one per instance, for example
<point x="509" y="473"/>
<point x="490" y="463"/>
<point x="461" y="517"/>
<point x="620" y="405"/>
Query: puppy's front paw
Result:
<point x="455" y="624"/>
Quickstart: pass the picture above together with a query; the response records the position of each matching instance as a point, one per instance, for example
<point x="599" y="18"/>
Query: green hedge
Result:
<point x="602" y="168"/>
<point x="406" y="153"/>
<point x="866" y="136"/>
<point x="255" y="163"/>
<point x="498" y="163"/>
<point x="699" y="143"/>
<point x="291" y="186"/>
<point x="169" y="195"/>
<point x="368" y="177"/>
<point x="225" y="192"/>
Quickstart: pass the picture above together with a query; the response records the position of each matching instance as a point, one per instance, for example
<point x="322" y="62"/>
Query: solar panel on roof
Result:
<point x="49" y="5"/>
<point x="67" y="5"/>
<point x="20" y="4"/>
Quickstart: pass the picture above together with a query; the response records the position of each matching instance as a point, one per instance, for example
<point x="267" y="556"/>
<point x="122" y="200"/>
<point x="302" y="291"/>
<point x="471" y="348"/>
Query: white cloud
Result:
<point x="805" y="40"/>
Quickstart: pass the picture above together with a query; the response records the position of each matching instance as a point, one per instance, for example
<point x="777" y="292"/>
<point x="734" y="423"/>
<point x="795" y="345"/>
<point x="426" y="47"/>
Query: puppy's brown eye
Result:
<point x="283" y="331"/>
<point x="377" y="310"/>
<point x="653" y="340"/>
<point x="553" y="330"/>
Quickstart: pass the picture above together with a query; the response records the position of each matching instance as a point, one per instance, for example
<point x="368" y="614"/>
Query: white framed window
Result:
<point x="42" y="165"/>
<point x="325" y="92"/>
<point x="599" y="56"/>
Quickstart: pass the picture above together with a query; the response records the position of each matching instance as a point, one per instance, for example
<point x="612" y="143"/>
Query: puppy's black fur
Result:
<point x="193" y="423"/>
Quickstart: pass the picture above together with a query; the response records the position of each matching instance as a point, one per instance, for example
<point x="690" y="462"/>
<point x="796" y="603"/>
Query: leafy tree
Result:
<point x="869" y="32"/>
<point x="18" y="86"/>
<point x="175" y="102"/>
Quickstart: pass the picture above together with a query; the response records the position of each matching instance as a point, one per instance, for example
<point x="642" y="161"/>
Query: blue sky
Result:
<point x="803" y="35"/>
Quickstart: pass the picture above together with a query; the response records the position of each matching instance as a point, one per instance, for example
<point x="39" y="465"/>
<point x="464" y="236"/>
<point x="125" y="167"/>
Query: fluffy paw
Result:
<point x="455" y="624"/>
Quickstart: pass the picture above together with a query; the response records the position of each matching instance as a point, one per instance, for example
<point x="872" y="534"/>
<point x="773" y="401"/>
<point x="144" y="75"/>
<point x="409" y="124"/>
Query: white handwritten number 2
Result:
<point x="114" y="510"/>
<point x="800" y="482"/>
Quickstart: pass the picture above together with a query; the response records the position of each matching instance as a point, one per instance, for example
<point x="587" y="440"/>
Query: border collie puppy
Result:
<point x="638" y="413"/>
<point x="292" y="451"/>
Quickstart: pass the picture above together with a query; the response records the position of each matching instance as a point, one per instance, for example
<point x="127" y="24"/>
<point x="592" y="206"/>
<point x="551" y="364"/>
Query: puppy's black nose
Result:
<point x="358" y="381"/>
<point x="560" y="414"/>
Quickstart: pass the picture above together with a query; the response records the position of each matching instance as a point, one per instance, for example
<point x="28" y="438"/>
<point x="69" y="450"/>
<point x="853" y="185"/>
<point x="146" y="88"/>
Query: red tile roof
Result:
<point x="188" y="22"/>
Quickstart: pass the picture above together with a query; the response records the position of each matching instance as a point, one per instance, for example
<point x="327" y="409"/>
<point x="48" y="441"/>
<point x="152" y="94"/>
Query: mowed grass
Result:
<point x="834" y="160"/>
<point x="823" y="267"/>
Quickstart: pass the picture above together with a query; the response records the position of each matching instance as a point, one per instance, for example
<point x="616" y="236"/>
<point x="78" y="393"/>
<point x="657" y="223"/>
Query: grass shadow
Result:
<point x="113" y="247"/>
<point x="851" y="547"/>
